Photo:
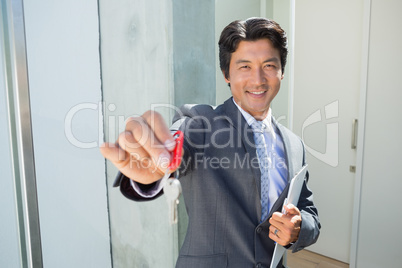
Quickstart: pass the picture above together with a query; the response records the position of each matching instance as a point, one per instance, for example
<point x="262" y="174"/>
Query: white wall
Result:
<point x="379" y="236"/>
<point x="64" y="72"/>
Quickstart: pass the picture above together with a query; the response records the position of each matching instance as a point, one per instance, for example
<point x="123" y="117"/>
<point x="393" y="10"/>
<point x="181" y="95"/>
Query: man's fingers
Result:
<point x="283" y="234"/>
<point x="279" y="235"/>
<point x="143" y="136"/>
<point x="275" y="235"/>
<point x="141" y="171"/>
<point x="288" y="225"/>
<point x="292" y="209"/>
<point x="143" y="151"/>
<point x="161" y="130"/>
<point x="135" y="165"/>
<point x="114" y="154"/>
<point x="288" y="220"/>
<point x="129" y="144"/>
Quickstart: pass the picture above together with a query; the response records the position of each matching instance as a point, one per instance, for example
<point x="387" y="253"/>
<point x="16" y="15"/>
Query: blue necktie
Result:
<point x="260" y="143"/>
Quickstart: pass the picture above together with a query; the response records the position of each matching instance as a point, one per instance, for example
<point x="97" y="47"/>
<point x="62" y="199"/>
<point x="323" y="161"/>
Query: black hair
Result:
<point x="252" y="29"/>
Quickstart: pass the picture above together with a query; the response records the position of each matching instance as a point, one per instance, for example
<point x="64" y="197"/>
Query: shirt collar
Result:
<point x="250" y="119"/>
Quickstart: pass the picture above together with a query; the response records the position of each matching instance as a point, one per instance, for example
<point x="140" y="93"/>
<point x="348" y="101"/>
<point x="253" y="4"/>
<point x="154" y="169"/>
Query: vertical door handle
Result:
<point x="354" y="133"/>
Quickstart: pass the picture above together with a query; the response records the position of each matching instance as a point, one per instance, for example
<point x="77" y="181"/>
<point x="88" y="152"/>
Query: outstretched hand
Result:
<point x="142" y="151"/>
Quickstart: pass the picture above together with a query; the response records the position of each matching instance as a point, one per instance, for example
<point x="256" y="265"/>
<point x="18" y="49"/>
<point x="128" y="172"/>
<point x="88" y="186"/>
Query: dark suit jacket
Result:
<point x="220" y="178"/>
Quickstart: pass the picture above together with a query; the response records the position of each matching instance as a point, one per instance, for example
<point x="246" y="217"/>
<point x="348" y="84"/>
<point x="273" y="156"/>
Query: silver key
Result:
<point x="172" y="190"/>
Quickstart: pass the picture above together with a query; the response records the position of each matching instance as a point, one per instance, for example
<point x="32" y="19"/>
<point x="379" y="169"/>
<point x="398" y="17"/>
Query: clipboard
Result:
<point x="295" y="187"/>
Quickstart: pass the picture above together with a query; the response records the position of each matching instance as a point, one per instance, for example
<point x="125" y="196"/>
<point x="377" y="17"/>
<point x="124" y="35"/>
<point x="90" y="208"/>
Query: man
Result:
<point x="235" y="175"/>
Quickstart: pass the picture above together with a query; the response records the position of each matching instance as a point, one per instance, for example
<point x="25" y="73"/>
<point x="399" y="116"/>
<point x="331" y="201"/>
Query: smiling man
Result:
<point x="234" y="202"/>
<point x="255" y="76"/>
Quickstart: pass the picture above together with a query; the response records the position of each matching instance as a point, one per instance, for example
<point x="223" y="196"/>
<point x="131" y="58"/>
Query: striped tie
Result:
<point x="264" y="161"/>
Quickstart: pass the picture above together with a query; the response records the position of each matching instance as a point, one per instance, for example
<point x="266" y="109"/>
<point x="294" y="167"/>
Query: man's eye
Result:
<point x="244" y="67"/>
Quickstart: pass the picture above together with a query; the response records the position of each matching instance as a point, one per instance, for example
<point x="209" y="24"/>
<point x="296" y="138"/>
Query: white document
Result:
<point x="295" y="187"/>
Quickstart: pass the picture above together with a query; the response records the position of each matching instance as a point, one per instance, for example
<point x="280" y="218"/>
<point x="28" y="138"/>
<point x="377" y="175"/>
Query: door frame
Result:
<point x="21" y="140"/>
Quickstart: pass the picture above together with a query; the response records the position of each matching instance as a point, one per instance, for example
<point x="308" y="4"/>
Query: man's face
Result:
<point x="255" y="76"/>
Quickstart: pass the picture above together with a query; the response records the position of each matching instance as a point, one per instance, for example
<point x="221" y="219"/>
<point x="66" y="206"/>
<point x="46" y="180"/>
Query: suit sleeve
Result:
<point x="310" y="225"/>
<point x="128" y="191"/>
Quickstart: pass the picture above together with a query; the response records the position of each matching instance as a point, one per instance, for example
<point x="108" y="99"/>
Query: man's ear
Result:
<point x="226" y="78"/>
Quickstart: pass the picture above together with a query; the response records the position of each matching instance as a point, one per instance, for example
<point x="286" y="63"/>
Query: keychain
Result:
<point x="172" y="187"/>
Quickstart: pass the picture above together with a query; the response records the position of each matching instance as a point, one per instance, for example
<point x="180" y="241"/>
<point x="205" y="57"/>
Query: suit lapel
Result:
<point x="244" y="134"/>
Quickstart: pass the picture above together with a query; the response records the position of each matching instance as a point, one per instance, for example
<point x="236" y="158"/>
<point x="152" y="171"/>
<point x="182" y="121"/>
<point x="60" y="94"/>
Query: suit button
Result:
<point x="258" y="265"/>
<point x="259" y="229"/>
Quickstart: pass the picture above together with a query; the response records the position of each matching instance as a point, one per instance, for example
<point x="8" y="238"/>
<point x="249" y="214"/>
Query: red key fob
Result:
<point x="176" y="160"/>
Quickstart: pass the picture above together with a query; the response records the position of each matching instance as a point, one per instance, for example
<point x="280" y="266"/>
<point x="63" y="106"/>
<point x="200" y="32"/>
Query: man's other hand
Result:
<point x="285" y="228"/>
